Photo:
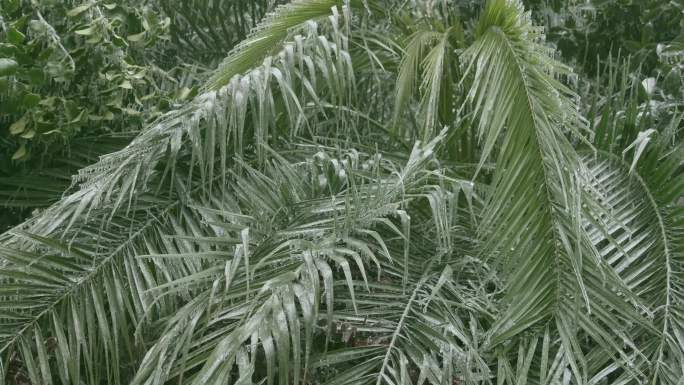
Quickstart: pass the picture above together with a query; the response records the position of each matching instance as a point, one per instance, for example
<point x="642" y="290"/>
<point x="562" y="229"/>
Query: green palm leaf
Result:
<point x="534" y="216"/>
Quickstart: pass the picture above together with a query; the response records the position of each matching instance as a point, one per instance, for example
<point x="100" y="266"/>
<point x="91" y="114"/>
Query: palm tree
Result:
<point x="363" y="192"/>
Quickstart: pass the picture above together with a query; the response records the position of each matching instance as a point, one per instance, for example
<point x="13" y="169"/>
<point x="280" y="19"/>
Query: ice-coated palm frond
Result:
<point x="410" y="67"/>
<point x="510" y="92"/>
<point x="292" y="224"/>
<point x="85" y="297"/>
<point x="646" y="227"/>
<point x="269" y="34"/>
<point x="533" y="218"/>
<point x="429" y="66"/>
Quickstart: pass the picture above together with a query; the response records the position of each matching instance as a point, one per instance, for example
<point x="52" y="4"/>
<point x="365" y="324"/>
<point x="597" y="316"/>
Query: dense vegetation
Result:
<point x="341" y="192"/>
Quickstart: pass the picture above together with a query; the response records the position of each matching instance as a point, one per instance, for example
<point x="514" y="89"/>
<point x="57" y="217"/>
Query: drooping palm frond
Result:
<point x="410" y="64"/>
<point x="534" y="215"/>
<point x="647" y="223"/>
<point x="85" y="297"/>
<point x="323" y="213"/>
<point x="270" y="33"/>
<point x="429" y="66"/>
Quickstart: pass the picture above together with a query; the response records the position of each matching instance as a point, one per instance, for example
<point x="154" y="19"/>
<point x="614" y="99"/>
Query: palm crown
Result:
<point x="363" y="192"/>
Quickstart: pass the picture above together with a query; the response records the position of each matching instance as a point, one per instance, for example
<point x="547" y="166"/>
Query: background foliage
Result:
<point x="80" y="79"/>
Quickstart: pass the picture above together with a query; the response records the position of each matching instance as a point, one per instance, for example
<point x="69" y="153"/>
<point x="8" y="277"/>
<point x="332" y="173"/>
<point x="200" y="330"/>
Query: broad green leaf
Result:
<point x="137" y="37"/>
<point x="79" y="10"/>
<point x="15" y="36"/>
<point x="19" y="126"/>
<point x="86" y="31"/>
<point x="8" y="67"/>
<point x="20" y="154"/>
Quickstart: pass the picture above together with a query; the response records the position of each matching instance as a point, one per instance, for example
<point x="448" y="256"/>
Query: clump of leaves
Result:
<point x="73" y="70"/>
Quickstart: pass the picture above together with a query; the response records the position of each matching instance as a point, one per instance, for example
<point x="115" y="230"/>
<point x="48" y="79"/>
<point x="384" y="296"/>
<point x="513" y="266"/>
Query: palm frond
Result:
<point x="410" y="64"/>
<point x="293" y="223"/>
<point x="533" y="218"/>
<point x="428" y="56"/>
<point x="269" y="35"/>
<point x="646" y="226"/>
<point x="85" y="297"/>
